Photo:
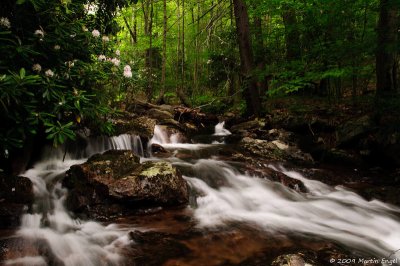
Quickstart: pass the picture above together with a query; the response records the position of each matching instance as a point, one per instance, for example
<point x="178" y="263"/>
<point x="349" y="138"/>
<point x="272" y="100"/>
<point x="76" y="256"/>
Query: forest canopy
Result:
<point x="71" y="65"/>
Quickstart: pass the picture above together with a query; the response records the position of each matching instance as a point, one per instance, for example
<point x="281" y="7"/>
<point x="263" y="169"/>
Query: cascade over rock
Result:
<point x="118" y="177"/>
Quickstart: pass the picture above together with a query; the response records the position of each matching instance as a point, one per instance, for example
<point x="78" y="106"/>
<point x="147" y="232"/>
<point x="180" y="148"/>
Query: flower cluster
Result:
<point x="57" y="47"/>
<point x="102" y="57"/>
<point x="49" y="73"/>
<point x="37" y="68"/>
<point x="105" y="39"/>
<point x="115" y="61"/>
<point x="39" y="33"/>
<point x="96" y="33"/>
<point x="5" y="22"/>
<point x="70" y="64"/>
<point x="127" y="71"/>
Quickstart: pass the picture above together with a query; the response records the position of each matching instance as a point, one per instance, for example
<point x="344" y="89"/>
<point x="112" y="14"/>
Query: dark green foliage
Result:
<point x="51" y="81"/>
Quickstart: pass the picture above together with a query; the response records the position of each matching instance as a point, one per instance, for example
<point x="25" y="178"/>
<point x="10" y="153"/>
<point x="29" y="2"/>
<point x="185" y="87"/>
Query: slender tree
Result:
<point x="250" y="92"/>
<point x="160" y="99"/>
<point x="292" y="36"/>
<point x="386" y="53"/>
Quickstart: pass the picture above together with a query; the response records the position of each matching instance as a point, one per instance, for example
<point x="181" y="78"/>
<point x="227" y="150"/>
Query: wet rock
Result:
<point x="16" y="189"/>
<point x="159" y="114"/>
<point x="290" y="260"/>
<point x="280" y="134"/>
<point x="168" y="108"/>
<point x="343" y="157"/>
<point x="247" y="126"/>
<point x="195" y="117"/>
<point x="305" y="121"/>
<point x="133" y="124"/>
<point x="286" y="180"/>
<point x="385" y="148"/>
<point x="354" y="129"/>
<point x="159" y="151"/>
<point x="276" y="150"/>
<point x="118" y="177"/>
<point x="174" y="126"/>
<point x="16" y="194"/>
<point x="10" y="214"/>
<point x="155" y="182"/>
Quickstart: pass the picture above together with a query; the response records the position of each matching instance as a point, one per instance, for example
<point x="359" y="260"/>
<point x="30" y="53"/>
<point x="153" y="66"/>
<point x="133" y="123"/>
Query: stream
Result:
<point x="234" y="218"/>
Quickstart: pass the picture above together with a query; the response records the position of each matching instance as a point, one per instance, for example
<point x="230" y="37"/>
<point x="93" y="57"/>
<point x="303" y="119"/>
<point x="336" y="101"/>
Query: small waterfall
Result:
<point x="72" y="242"/>
<point x="332" y="213"/>
<point x="161" y="136"/>
<point x="220" y="130"/>
<point x="121" y="142"/>
<point x="173" y="141"/>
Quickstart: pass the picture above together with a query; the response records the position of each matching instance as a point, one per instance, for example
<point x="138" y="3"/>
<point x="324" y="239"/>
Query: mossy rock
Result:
<point x="118" y="177"/>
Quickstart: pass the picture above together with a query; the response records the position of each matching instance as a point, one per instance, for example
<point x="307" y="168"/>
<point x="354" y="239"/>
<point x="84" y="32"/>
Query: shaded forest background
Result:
<point x="68" y="65"/>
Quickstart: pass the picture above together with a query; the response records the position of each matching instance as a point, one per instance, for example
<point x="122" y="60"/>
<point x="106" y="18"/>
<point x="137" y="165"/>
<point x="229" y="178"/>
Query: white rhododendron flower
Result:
<point x="37" y="68"/>
<point x="102" y="57"/>
<point x="39" y="33"/>
<point x="57" y="47"/>
<point x="127" y="71"/>
<point x="5" y="22"/>
<point x="115" y="61"/>
<point x="96" y="33"/>
<point x="118" y="52"/>
<point x="69" y="64"/>
<point x="49" y="73"/>
<point x="105" y="39"/>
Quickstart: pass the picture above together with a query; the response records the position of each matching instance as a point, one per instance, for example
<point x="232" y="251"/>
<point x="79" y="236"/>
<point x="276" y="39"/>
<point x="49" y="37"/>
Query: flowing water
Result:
<point x="71" y="241"/>
<point x="222" y="195"/>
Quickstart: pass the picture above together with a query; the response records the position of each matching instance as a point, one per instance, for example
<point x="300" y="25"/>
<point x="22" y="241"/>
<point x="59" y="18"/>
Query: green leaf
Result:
<point x="22" y="73"/>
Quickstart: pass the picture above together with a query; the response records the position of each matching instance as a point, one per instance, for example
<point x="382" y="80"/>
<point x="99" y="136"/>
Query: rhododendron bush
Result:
<point x="60" y="70"/>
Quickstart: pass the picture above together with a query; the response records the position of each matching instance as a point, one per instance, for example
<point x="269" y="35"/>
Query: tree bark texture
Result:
<point x="292" y="36"/>
<point x="250" y="93"/>
<point x="386" y="53"/>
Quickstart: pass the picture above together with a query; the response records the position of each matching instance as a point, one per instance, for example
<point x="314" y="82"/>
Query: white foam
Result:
<point x="329" y="213"/>
<point x="74" y="242"/>
<point x="220" y="130"/>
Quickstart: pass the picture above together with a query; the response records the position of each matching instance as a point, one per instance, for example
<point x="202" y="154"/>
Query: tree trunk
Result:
<point x="259" y="57"/>
<point x="183" y="48"/>
<point x="292" y="36"/>
<point x="179" y="69"/>
<point x="149" y="90"/>
<point x="386" y="53"/>
<point x="135" y="26"/>
<point x="160" y="99"/>
<point x="146" y="16"/>
<point x="250" y="92"/>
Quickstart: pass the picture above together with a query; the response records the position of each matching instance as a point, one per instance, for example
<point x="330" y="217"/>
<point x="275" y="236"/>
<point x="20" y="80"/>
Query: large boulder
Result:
<point x="290" y="260"/>
<point x="274" y="150"/>
<point x="353" y="130"/>
<point x="117" y="177"/>
<point x="159" y="114"/>
<point x="245" y="127"/>
<point x="16" y="194"/>
<point x="133" y="124"/>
